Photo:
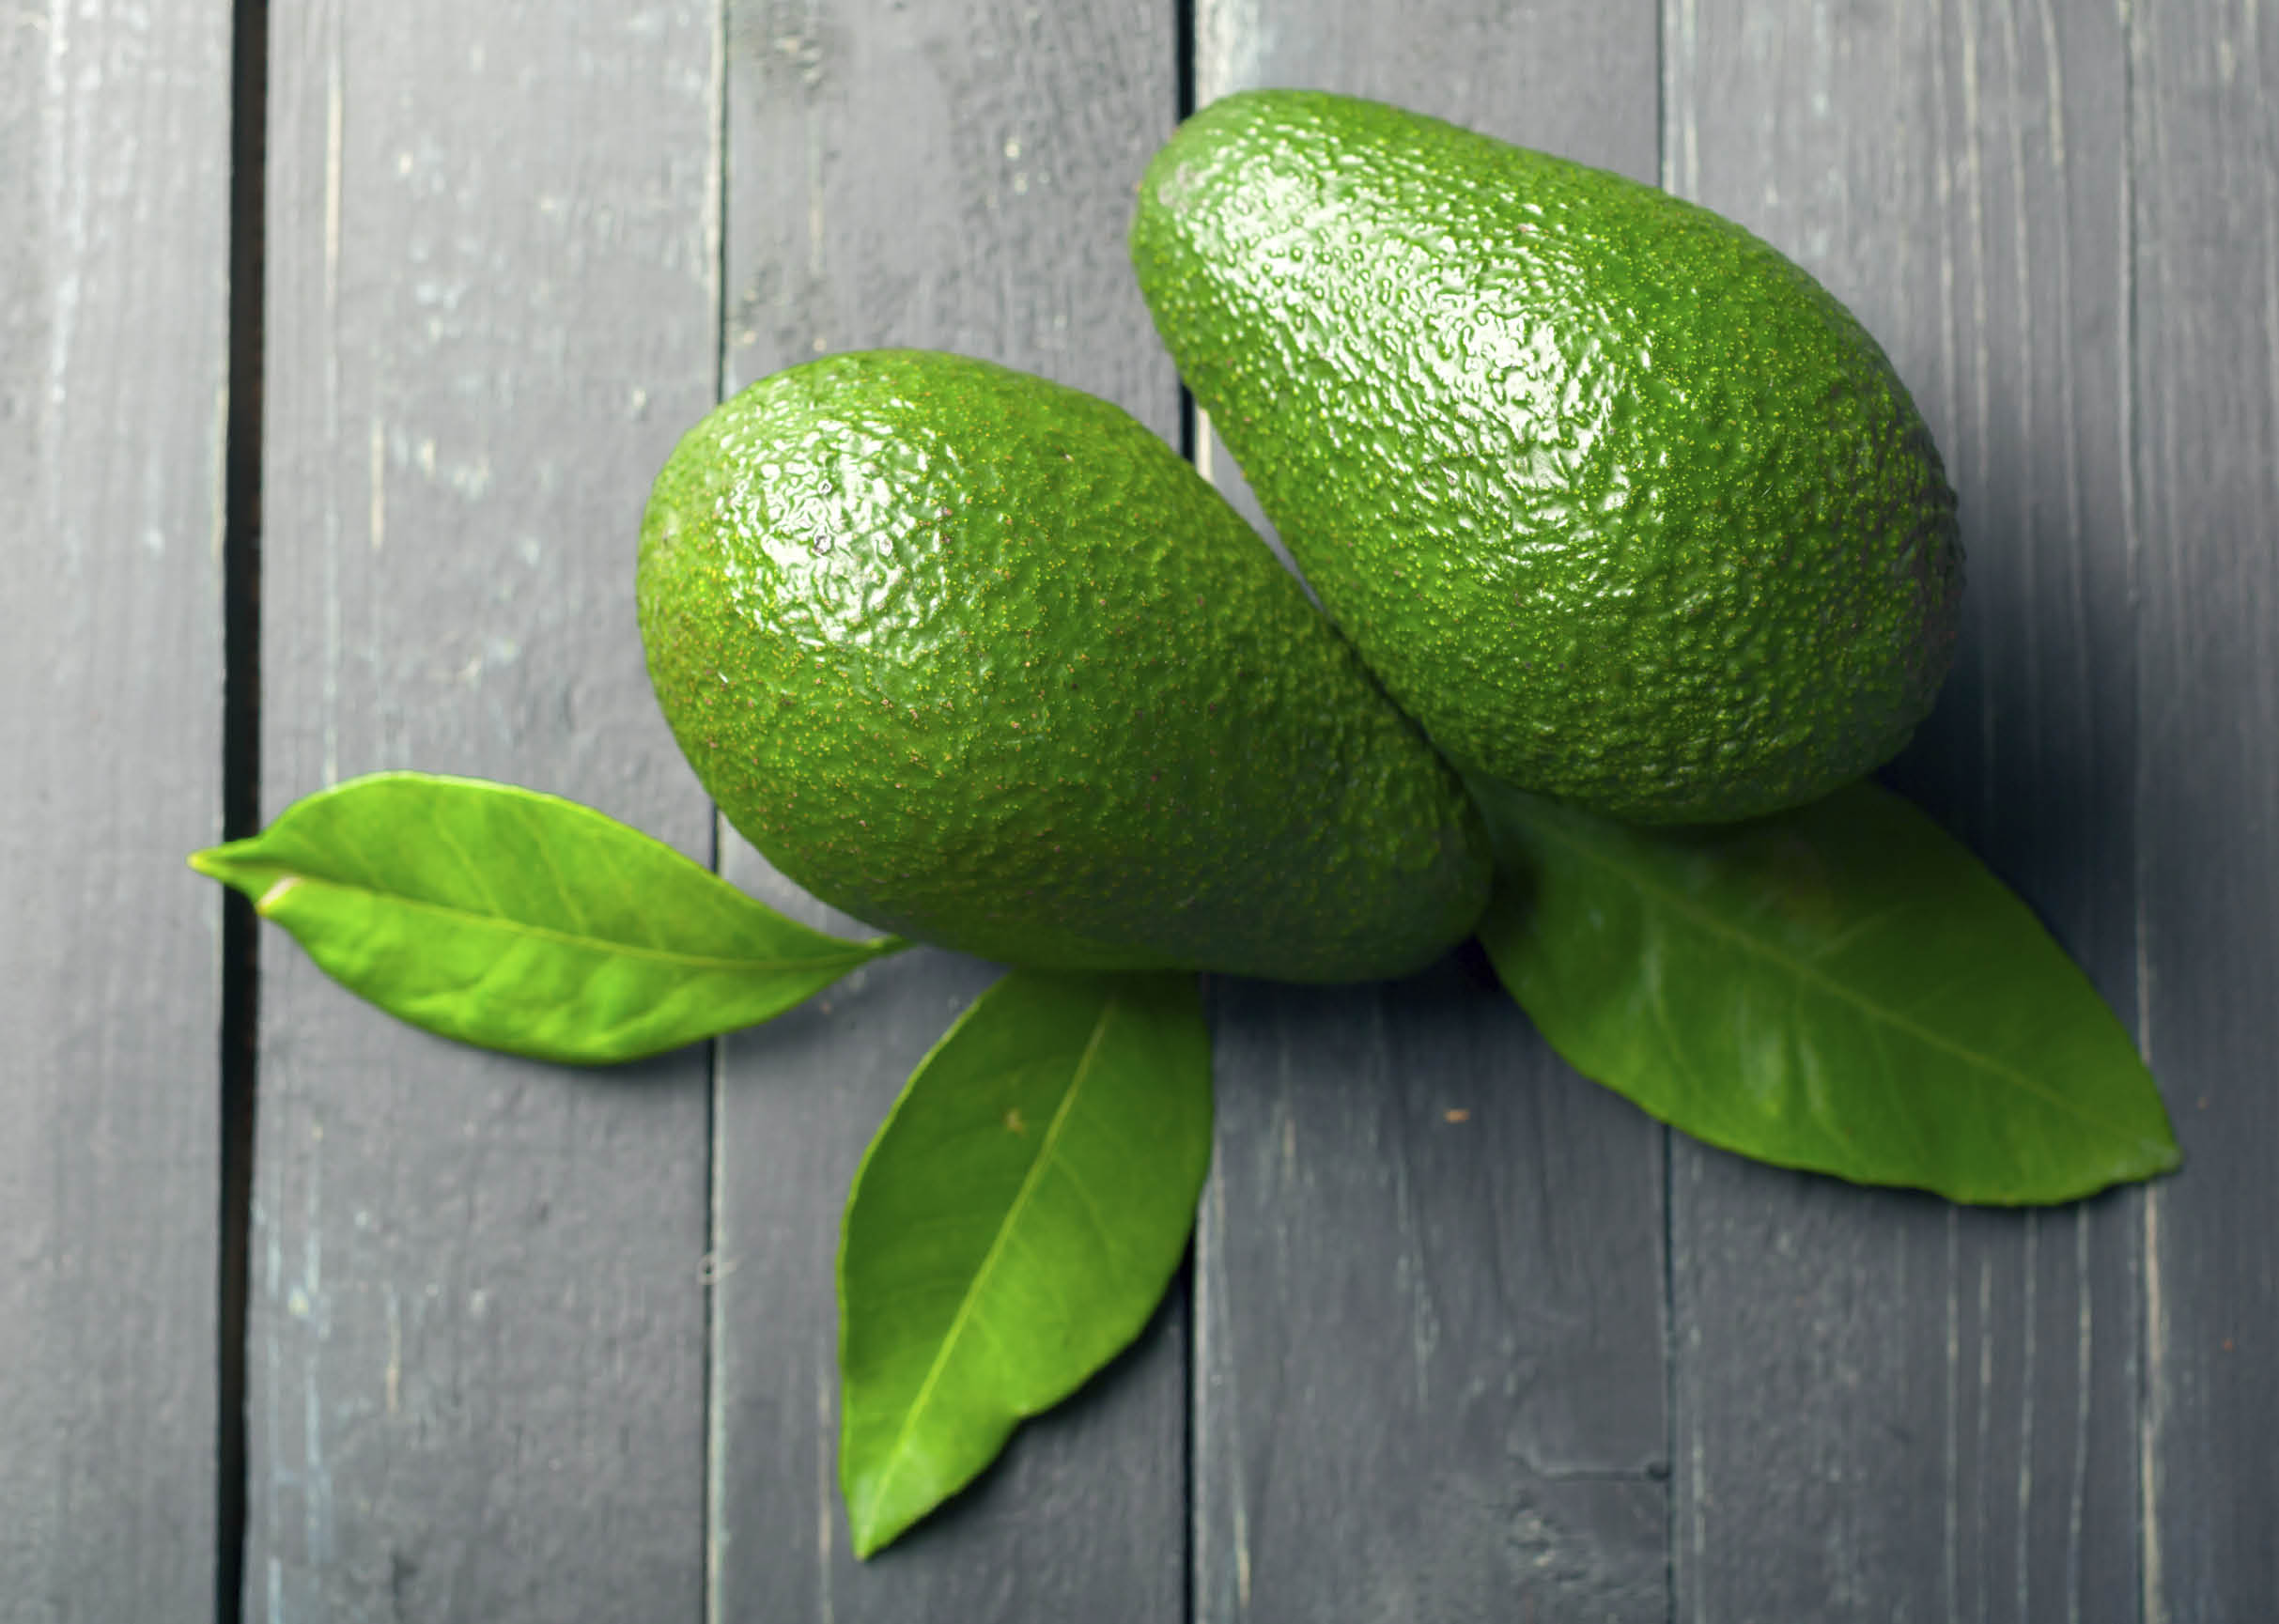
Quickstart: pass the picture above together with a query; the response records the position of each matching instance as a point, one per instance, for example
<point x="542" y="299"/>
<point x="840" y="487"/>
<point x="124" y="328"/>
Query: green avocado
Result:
<point x="1620" y="503"/>
<point x="979" y="659"/>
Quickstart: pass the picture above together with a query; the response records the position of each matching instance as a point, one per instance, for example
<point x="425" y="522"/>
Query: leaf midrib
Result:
<point x="1760" y="948"/>
<point x="898" y="1451"/>
<point x="855" y="954"/>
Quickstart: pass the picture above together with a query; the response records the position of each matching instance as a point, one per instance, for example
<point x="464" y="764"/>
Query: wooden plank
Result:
<point x="2205" y="123"/>
<point x="114" y="159"/>
<point x="1430" y="1328"/>
<point x="477" y="1319"/>
<point x="1888" y="1406"/>
<point x="958" y="176"/>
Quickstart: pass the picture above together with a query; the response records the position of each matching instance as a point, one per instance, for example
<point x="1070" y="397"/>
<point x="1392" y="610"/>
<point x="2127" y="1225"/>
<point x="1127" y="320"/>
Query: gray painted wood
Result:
<point x="114" y="158"/>
<point x="1430" y="1338"/>
<point x="1888" y="1406"/>
<point x="960" y="176"/>
<point x="2206" y="195"/>
<point x="1429" y="1341"/>
<point x="479" y="1310"/>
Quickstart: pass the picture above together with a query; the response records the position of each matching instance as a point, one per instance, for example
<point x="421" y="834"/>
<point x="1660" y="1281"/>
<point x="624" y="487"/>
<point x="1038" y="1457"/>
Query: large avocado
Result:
<point x="979" y="659"/>
<point x="1620" y="503"/>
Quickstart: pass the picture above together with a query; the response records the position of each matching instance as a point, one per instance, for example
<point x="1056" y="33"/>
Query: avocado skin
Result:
<point x="978" y="659"/>
<point x="1616" y="500"/>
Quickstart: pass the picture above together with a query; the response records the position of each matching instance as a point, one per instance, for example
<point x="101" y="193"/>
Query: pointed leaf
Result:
<point x="1842" y="987"/>
<point x="1013" y="1226"/>
<point x="519" y="921"/>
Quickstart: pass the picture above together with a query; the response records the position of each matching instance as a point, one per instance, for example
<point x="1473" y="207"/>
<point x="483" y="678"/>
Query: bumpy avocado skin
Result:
<point x="978" y="659"/>
<point x="1616" y="501"/>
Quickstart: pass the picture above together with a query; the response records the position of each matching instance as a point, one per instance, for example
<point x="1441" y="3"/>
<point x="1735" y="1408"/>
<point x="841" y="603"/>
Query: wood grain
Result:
<point x="1429" y="1352"/>
<point x="114" y="159"/>
<point x="2205" y="138"/>
<point x="957" y="177"/>
<point x="1887" y="1405"/>
<point x="479" y="1310"/>
<point x="1430" y="1337"/>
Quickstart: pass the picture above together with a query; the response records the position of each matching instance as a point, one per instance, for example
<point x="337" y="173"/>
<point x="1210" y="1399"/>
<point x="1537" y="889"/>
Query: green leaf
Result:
<point x="1842" y="987"/>
<point x="1013" y="1226"/>
<point x="512" y="920"/>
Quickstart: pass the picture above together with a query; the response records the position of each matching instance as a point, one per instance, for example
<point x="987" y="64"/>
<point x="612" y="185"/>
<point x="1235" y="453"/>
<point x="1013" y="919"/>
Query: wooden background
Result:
<point x="1463" y="1338"/>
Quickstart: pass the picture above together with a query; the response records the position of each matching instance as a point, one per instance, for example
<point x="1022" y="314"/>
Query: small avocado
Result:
<point x="979" y="659"/>
<point x="1618" y="503"/>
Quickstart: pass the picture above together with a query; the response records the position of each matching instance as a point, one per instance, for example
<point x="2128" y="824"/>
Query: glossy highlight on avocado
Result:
<point x="1618" y="503"/>
<point x="979" y="659"/>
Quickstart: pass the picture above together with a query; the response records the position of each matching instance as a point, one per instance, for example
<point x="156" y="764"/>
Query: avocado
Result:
<point x="1616" y="502"/>
<point x="979" y="659"/>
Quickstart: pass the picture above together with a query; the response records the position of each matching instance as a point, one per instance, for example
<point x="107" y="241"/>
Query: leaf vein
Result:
<point x="856" y="953"/>
<point x="562" y="886"/>
<point x="1709" y="923"/>
<point x="898" y="1451"/>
